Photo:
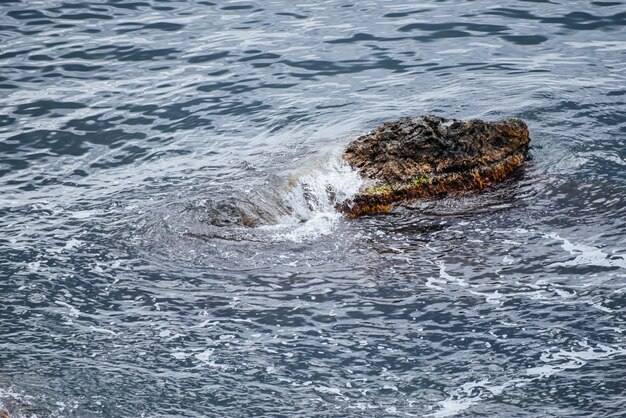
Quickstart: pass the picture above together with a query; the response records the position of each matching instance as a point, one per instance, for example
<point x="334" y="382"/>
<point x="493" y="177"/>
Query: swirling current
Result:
<point x="168" y="239"/>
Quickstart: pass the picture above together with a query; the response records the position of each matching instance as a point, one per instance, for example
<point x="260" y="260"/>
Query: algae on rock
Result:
<point x="430" y="156"/>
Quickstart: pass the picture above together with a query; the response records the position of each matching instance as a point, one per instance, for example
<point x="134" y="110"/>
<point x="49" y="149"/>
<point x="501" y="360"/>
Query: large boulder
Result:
<point x="430" y="156"/>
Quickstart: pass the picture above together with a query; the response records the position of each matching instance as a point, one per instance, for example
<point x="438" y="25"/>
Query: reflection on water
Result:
<point x="169" y="247"/>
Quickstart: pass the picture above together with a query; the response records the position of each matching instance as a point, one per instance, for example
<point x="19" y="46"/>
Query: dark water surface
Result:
<point x="134" y="134"/>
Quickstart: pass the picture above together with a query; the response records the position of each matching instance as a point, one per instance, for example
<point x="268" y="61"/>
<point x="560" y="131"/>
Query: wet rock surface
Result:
<point x="431" y="156"/>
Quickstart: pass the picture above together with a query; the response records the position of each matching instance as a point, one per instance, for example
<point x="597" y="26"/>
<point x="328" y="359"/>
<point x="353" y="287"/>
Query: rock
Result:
<point x="430" y="156"/>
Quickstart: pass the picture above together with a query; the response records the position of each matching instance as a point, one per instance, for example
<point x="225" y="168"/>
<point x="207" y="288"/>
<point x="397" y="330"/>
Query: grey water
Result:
<point x="136" y="138"/>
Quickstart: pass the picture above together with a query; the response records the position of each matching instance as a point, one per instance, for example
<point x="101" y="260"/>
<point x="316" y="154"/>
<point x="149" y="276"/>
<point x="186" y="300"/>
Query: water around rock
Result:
<point x="133" y="132"/>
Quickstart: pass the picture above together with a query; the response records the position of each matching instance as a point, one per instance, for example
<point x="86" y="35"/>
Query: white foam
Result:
<point x="451" y="407"/>
<point x="329" y="390"/>
<point x="72" y="310"/>
<point x="445" y="276"/>
<point x="85" y="214"/>
<point x="561" y="360"/>
<point x="205" y="356"/>
<point x="102" y="330"/>
<point x="552" y="362"/>
<point x="471" y="393"/>
<point x="71" y="244"/>
<point x="444" y="279"/>
<point x="312" y="200"/>
<point x="587" y="255"/>
<point x="180" y="355"/>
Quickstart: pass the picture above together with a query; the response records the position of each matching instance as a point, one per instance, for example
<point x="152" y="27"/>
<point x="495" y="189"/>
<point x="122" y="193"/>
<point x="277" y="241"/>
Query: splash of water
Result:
<point x="311" y="199"/>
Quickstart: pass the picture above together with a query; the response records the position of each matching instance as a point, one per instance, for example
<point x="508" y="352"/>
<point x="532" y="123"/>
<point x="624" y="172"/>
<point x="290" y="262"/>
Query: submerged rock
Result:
<point x="430" y="156"/>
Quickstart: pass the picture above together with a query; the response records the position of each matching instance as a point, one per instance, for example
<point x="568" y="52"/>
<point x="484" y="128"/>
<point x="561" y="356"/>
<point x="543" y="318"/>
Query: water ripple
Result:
<point x="142" y="141"/>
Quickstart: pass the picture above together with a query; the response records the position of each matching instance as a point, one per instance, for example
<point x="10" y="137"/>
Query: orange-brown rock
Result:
<point x="430" y="156"/>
